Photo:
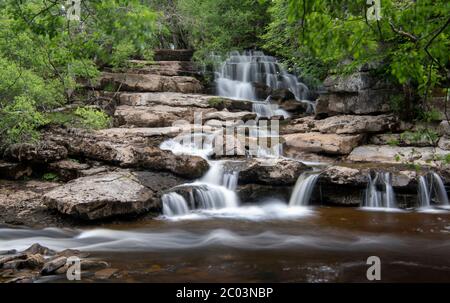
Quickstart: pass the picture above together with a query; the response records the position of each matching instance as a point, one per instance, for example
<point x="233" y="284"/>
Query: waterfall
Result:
<point x="303" y="189"/>
<point x="379" y="192"/>
<point x="174" y="205"/>
<point x="431" y="189"/>
<point x="215" y="190"/>
<point x="267" y="109"/>
<point x="237" y="74"/>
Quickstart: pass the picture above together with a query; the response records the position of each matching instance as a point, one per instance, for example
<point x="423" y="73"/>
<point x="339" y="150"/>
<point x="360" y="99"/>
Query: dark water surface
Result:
<point x="274" y="245"/>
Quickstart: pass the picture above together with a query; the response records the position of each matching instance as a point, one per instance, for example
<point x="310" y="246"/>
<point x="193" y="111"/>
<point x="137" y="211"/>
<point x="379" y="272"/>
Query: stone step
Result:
<point x="148" y="83"/>
<point x="183" y="100"/>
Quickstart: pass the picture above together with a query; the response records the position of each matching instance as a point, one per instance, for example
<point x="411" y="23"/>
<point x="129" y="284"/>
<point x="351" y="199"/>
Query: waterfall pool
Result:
<point x="263" y="244"/>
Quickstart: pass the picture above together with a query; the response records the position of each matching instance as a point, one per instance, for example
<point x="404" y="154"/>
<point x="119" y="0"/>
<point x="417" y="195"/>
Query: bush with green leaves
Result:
<point x="93" y="118"/>
<point x="43" y="55"/>
<point x="411" y="40"/>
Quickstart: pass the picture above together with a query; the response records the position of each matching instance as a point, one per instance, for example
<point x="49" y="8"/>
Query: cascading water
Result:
<point x="431" y="189"/>
<point x="303" y="189"/>
<point x="236" y="77"/>
<point x="379" y="192"/>
<point x="174" y="205"/>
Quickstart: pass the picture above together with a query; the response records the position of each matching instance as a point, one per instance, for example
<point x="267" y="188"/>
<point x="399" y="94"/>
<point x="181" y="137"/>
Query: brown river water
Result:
<point x="273" y="244"/>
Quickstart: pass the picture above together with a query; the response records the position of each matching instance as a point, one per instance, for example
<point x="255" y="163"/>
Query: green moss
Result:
<point x="51" y="177"/>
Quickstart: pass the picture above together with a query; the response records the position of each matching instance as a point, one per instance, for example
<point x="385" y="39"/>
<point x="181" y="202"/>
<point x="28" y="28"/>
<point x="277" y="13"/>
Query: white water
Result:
<point x="379" y="192"/>
<point x="431" y="189"/>
<point x="174" y="205"/>
<point x="236" y="76"/>
<point x="303" y="189"/>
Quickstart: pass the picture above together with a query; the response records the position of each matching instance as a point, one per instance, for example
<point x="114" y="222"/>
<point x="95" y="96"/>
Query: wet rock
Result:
<point x="41" y="152"/>
<point x="105" y="274"/>
<point x="14" y="171"/>
<point x="343" y="175"/>
<point x="272" y="172"/>
<point x="396" y="154"/>
<point x="35" y="261"/>
<point x="149" y="83"/>
<point x="323" y="143"/>
<point x="233" y="116"/>
<point x="72" y="253"/>
<point x="36" y="248"/>
<point x="51" y="266"/>
<point x="286" y="100"/>
<point x="141" y="132"/>
<point x="7" y="259"/>
<point x="93" y="264"/>
<point x="101" y="196"/>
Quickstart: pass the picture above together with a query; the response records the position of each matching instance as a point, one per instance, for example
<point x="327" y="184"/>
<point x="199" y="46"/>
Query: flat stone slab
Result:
<point x="101" y="196"/>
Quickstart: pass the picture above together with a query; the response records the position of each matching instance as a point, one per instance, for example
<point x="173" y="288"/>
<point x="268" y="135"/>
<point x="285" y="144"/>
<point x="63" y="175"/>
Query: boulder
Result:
<point x="41" y="152"/>
<point x="341" y="175"/>
<point x="128" y="153"/>
<point x="36" y="248"/>
<point x="14" y="171"/>
<point x="344" y="124"/>
<point x="272" y="172"/>
<point x="350" y="124"/>
<point x="52" y="265"/>
<point x="323" y="143"/>
<point x="396" y="154"/>
<point x="364" y="103"/>
<point x="149" y="83"/>
<point x="286" y="100"/>
<point x="102" y="196"/>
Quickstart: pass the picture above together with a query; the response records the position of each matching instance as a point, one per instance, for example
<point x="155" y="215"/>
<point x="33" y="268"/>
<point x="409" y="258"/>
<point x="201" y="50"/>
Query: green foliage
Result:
<point x="411" y="39"/>
<point x="423" y="135"/>
<point x="93" y="118"/>
<point x="219" y="26"/>
<point x="50" y="177"/>
<point x="43" y="55"/>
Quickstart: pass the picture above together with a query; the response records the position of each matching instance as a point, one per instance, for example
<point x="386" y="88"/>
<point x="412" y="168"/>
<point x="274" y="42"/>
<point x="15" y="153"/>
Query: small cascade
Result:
<point x="301" y="195"/>
<point x="174" y="205"/>
<point x="196" y="144"/>
<point x="379" y="192"/>
<point x="431" y="189"/>
<point x="236" y="76"/>
<point x="267" y="109"/>
<point x="216" y="190"/>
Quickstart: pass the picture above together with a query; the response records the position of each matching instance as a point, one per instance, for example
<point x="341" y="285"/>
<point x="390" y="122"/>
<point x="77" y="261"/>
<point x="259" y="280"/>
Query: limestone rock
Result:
<point x="14" y="171"/>
<point x="150" y="83"/>
<point x="323" y="143"/>
<point x="233" y="116"/>
<point x="272" y="172"/>
<point x="101" y="196"/>
<point x="41" y="152"/>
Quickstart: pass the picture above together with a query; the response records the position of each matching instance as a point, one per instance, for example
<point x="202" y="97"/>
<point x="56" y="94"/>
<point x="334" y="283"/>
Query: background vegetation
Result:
<point x="43" y="55"/>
